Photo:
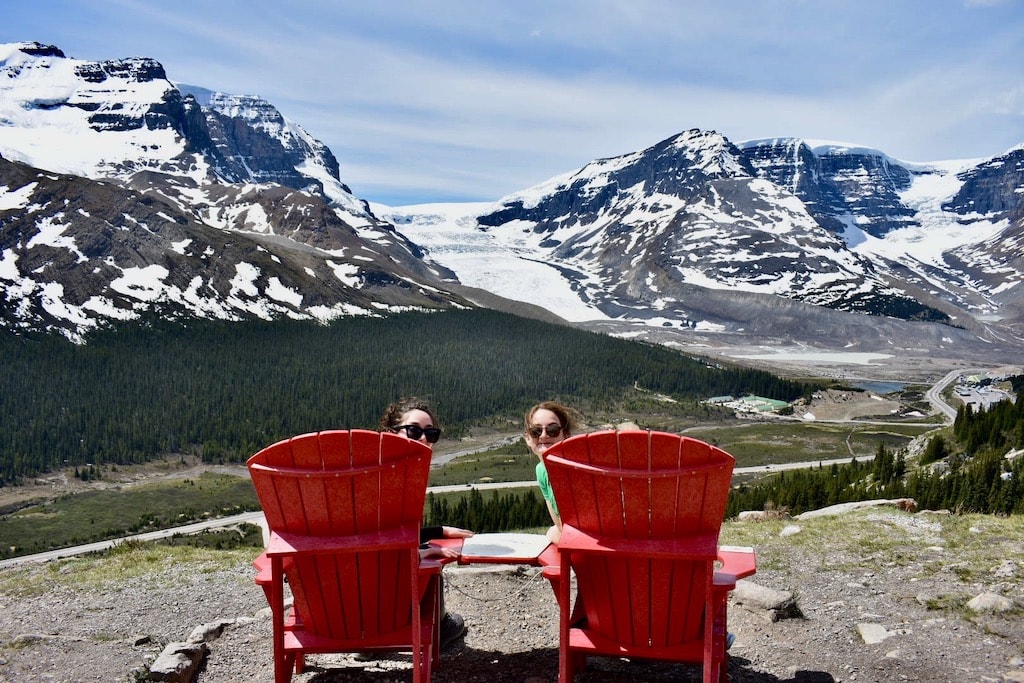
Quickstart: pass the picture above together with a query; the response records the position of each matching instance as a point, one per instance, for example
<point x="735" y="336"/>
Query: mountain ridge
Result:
<point x="272" y="228"/>
<point x="695" y="234"/>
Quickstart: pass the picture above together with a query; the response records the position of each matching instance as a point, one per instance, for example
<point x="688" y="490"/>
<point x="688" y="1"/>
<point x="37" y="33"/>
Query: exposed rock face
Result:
<point x="251" y="141"/>
<point x="992" y="187"/>
<point x="90" y="251"/>
<point x="37" y="49"/>
<point x="836" y="184"/>
<point x="105" y="79"/>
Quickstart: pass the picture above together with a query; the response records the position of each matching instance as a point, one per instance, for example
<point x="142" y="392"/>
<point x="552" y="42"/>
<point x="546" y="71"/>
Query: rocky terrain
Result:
<point x="880" y="595"/>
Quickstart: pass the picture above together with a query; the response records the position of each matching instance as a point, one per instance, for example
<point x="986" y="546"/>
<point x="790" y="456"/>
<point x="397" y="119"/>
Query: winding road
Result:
<point x="934" y="395"/>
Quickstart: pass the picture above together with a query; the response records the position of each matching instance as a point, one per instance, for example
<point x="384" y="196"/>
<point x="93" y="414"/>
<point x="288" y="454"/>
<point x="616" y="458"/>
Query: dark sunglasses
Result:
<point x="550" y="430"/>
<point x="414" y="432"/>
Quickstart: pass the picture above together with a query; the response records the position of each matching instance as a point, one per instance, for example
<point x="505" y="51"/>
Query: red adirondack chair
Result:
<point x="344" y="509"/>
<point x="641" y="513"/>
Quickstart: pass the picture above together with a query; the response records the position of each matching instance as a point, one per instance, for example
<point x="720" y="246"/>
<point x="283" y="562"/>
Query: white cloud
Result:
<point x="473" y="100"/>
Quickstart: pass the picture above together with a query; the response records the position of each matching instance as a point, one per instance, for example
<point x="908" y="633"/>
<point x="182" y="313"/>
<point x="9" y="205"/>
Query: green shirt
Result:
<point x="545" y="486"/>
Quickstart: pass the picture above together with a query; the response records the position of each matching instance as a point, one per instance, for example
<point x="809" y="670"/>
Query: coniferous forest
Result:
<point x="223" y="390"/>
<point x="500" y="511"/>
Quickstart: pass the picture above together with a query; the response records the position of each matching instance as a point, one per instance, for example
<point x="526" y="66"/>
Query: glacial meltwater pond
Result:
<point x="817" y="356"/>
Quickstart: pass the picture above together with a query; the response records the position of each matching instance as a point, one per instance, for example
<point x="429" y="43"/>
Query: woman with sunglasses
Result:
<point x="547" y="423"/>
<point x="414" y="419"/>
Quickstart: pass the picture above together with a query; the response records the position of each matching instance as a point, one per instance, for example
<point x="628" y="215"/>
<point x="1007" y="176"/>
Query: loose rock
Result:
<point x="179" y="662"/>
<point x="990" y="602"/>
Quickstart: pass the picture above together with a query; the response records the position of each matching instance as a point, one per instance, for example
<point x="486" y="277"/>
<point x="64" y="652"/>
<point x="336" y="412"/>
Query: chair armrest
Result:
<point x="549" y="558"/>
<point x="285" y="543"/>
<point x="551" y="573"/>
<point x="262" y="565"/>
<point x="550" y="561"/>
<point x="737" y="562"/>
<point x="431" y="566"/>
<point x="697" y="547"/>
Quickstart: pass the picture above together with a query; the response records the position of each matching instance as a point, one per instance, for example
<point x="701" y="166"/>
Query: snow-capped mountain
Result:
<point x="947" y="233"/>
<point x="119" y="190"/>
<point x="692" y="210"/>
<point x="697" y="233"/>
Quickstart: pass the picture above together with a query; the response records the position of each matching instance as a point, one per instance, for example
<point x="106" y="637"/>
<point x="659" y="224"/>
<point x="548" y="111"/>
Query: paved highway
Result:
<point x="934" y="395"/>
<point x="253" y="517"/>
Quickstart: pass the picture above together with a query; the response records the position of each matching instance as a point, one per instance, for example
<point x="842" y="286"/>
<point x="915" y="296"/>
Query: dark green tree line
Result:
<point x="499" y="512"/>
<point x="224" y="390"/>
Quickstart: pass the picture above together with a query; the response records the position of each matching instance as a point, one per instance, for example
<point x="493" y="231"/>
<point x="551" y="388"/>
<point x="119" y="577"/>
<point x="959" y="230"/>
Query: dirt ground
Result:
<point x="833" y="404"/>
<point x="906" y="576"/>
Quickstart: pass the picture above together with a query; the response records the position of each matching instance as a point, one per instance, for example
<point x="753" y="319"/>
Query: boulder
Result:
<point x="179" y="662"/>
<point x="773" y="604"/>
<point x="873" y="633"/>
<point x="205" y="633"/>
<point x="990" y="602"/>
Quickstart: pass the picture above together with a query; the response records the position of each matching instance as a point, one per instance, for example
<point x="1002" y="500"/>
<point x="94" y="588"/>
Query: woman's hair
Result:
<point x="392" y="416"/>
<point x="567" y="417"/>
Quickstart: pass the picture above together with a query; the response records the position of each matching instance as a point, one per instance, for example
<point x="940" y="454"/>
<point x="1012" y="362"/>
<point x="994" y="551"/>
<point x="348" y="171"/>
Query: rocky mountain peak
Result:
<point x="843" y="186"/>
<point x="138" y="70"/>
<point x="31" y="48"/>
<point x="121" y="192"/>
<point x="678" y="166"/>
<point x="710" y="152"/>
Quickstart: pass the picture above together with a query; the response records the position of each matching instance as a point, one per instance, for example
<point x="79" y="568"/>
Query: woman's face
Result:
<point x="544" y="431"/>
<point x="418" y="418"/>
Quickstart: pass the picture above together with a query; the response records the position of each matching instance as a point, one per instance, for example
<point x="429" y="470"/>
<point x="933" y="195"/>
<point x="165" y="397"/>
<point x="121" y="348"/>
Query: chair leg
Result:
<point x="565" y="656"/>
<point x="579" y="663"/>
<point x="428" y="664"/>
<point x="569" y="662"/>
<point x="438" y="588"/>
<point x="283" y="668"/>
<point x="719" y="633"/>
<point x="283" y="661"/>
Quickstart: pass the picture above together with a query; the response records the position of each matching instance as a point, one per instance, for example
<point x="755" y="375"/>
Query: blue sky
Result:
<point x="470" y="100"/>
